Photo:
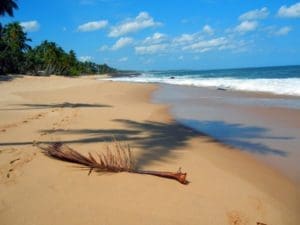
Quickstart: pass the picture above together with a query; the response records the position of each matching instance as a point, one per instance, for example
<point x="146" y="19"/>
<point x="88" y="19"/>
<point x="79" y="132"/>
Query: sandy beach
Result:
<point x="226" y="185"/>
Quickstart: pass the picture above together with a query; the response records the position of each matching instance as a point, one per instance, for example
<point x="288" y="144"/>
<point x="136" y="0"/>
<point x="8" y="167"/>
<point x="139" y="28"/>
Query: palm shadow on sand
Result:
<point x="5" y="78"/>
<point x="158" y="141"/>
<point x="239" y="136"/>
<point x="57" y="105"/>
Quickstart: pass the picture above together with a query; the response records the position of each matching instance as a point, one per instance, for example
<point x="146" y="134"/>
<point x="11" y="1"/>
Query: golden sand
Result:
<point x="226" y="186"/>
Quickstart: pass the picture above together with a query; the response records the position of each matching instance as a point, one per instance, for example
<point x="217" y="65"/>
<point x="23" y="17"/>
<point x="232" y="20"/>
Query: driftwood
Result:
<point x="121" y="160"/>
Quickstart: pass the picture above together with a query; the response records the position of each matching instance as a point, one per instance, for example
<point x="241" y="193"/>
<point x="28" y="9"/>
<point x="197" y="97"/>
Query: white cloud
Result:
<point x="235" y="45"/>
<point x="186" y="38"/>
<point x="30" y="26"/>
<point x="255" y="14"/>
<point x="92" y="26"/>
<point x="207" y="29"/>
<point x="196" y="42"/>
<point x="150" y="49"/>
<point x="246" y="26"/>
<point x="292" y="11"/>
<point x="103" y="48"/>
<point x="121" y="43"/>
<point x="207" y="45"/>
<point x="283" y="31"/>
<point x="124" y="59"/>
<point x="181" y="57"/>
<point x="142" y="21"/>
<point x="193" y="43"/>
<point x="156" y="38"/>
<point x="85" y="58"/>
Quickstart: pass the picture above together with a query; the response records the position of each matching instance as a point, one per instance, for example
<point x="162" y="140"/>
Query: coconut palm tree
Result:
<point x="13" y="45"/>
<point x="15" y="37"/>
<point x="7" y="7"/>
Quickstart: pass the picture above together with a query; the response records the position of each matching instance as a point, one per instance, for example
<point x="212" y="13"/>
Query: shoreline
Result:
<point x="226" y="185"/>
<point x="173" y="79"/>
<point x="242" y="92"/>
<point x="261" y="129"/>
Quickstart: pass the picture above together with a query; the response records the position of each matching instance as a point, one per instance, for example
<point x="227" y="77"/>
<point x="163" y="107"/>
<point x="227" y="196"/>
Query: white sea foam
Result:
<point x="286" y="86"/>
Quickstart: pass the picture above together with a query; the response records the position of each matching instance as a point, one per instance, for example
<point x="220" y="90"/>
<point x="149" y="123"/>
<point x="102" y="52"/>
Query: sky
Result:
<point x="168" y="34"/>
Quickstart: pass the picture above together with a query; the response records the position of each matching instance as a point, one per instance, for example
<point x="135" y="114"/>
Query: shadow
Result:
<point x="248" y="138"/>
<point x="58" y="105"/>
<point x="97" y="135"/>
<point x="4" y="78"/>
<point x="157" y="141"/>
<point x="161" y="138"/>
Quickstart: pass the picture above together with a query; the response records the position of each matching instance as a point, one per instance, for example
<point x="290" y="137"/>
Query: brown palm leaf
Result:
<point x="121" y="160"/>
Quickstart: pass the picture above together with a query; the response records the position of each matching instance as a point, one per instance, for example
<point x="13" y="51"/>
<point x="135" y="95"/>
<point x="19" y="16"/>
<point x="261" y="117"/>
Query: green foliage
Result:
<point x="47" y="58"/>
<point x="93" y="68"/>
<point x="16" y="56"/>
<point x="13" y="47"/>
<point x="7" y="7"/>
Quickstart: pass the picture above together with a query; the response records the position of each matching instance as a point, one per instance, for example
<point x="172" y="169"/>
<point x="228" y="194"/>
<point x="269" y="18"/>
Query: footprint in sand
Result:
<point x="5" y="128"/>
<point x="12" y="169"/>
<point x="236" y="218"/>
<point x="259" y="206"/>
<point x="62" y="123"/>
<point x="25" y="121"/>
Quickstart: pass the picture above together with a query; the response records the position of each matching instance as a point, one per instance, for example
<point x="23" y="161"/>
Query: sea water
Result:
<point x="277" y="80"/>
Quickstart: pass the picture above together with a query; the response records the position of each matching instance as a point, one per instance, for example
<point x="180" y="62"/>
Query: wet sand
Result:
<point x="226" y="186"/>
<point x="265" y="126"/>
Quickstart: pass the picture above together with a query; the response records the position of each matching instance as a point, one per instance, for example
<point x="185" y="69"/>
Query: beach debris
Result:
<point x="119" y="160"/>
<point x="259" y="223"/>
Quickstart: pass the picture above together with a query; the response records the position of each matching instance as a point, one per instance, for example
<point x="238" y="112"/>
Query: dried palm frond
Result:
<point x="119" y="160"/>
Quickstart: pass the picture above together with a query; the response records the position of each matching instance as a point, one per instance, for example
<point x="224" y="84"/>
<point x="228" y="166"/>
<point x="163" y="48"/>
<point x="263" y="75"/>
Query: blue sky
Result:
<point x="168" y="34"/>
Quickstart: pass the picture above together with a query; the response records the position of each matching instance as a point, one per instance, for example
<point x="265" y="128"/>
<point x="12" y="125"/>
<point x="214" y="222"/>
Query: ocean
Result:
<point x="284" y="80"/>
<point x="255" y="110"/>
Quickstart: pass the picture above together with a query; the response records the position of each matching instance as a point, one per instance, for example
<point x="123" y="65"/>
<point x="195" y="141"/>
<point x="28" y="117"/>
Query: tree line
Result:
<point x="18" y="57"/>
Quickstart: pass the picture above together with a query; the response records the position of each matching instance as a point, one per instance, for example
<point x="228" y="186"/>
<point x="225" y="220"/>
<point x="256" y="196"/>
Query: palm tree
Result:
<point x="7" y="7"/>
<point x="13" y="46"/>
<point x="15" y="37"/>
